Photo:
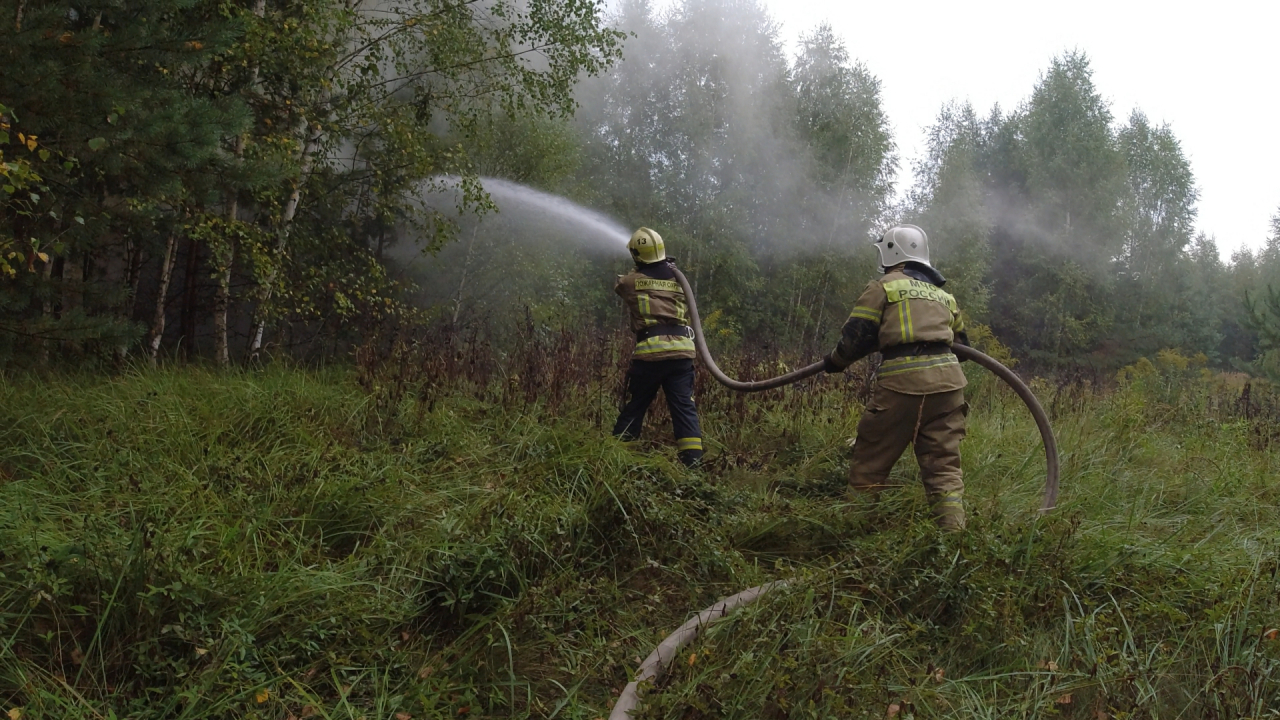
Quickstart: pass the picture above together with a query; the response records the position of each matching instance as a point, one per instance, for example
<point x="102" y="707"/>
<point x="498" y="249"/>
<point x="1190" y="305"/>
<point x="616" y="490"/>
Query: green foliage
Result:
<point x="23" y="187"/>
<point x="263" y="176"/>
<point x="1074" y="171"/>
<point x="840" y="119"/>
<point x="1073" y="236"/>
<point x="1066" y="233"/>
<point x="949" y="201"/>
<point x="123" y="140"/>
<point x="1061" y="227"/>
<point x="255" y="172"/>
<point x="1263" y="304"/>
<point x="280" y="140"/>
<point x="1265" y="316"/>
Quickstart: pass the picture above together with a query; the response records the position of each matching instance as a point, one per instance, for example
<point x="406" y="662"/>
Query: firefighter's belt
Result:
<point x="919" y="348"/>
<point x="655" y="330"/>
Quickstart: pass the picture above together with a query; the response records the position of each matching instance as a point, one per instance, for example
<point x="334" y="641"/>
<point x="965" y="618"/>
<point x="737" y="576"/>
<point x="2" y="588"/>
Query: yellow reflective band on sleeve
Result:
<point x="898" y="366"/>
<point x="866" y="313"/>
<point x="652" y="284"/>
<point x="689" y="444"/>
<point x="663" y="343"/>
<point x="895" y="291"/>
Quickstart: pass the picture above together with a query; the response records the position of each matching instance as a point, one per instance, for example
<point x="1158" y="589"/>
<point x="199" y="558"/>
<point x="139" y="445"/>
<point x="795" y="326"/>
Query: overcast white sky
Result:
<point x="1209" y="69"/>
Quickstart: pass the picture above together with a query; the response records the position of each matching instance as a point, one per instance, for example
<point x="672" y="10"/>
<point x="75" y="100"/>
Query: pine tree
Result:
<point x="1264" y="307"/>
<point x="104" y="90"/>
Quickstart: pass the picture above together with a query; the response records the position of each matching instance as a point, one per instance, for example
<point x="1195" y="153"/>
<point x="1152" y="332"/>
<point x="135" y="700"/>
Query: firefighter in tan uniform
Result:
<point x="663" y="356"/>
<point x="919" y="393"/>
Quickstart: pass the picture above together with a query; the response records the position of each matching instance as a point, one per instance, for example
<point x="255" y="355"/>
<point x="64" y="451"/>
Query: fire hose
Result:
<point x="963" y="352"/>
<point x="655" y="666"/>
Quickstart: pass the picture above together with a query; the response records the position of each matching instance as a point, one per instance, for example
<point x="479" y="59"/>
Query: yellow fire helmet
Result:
<point x="646" y="247"/>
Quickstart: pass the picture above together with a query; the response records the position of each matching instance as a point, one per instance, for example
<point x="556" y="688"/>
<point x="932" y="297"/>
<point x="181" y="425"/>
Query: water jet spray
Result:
<point x="533" y="207"/>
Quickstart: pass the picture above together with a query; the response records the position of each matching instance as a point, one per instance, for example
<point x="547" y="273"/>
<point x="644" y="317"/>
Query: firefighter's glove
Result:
<point x="829" y="365"/>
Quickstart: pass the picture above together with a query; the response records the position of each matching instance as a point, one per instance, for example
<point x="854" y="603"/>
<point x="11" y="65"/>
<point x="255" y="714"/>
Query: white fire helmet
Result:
<point x="901" y="243"/>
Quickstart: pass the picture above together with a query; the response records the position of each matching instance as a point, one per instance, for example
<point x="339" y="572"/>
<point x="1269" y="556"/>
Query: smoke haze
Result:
<point x="709" y="127"/>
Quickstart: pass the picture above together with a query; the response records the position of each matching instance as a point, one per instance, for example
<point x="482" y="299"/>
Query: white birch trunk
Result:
<point x="282" y="241"/>
<point x="157" y="319"/>
<point x="222" y="296"/>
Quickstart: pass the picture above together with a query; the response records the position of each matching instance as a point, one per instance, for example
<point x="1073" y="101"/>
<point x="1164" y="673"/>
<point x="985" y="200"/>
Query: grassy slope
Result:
<point x="181" y="544"/>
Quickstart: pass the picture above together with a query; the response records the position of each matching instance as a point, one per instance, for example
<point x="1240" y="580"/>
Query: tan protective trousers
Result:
<point x="935" y="424"/>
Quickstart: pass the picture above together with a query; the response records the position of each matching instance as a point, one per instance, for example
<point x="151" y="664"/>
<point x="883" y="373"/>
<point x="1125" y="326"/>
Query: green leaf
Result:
<point x="79" y="220"/>
<point x="10" y="189"/>
<point x="44" y="154"/>
<point x="34" y="197"/>
<point x="4" y="137"/>
<point x="97" y="143"/>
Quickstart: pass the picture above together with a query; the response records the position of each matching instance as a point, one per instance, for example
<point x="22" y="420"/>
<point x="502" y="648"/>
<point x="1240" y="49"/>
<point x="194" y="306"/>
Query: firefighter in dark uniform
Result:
<point x="663" y="356"/>
<point x="918" y="397"/>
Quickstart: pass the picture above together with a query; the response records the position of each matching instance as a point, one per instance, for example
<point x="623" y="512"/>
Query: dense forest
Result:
<point x="214" y="180"/>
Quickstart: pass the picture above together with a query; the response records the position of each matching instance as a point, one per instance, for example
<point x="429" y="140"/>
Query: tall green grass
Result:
<point x="185" y="544"/>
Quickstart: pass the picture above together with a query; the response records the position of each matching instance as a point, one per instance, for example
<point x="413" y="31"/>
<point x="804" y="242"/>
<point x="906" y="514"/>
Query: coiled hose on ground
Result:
<point x="962" y="351"/>
<point x="655" y="666"/>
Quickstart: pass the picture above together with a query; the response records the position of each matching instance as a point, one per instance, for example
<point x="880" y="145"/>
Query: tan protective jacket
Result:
<point x="653" y="297"/>
<point x="902" y="310"/>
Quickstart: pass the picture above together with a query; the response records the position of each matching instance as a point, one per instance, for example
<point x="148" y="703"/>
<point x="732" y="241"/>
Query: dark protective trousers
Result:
<point x="675" y="378"/>
<point x="935" y="423"/>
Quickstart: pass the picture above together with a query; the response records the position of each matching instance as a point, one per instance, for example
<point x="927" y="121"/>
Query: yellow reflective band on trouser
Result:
<point x="683" y="444"/>
<point x="948" y="511"/>
<point x="946" y="501"/>
<point x="660" y="344"/>
<point x="911" y="363"/>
